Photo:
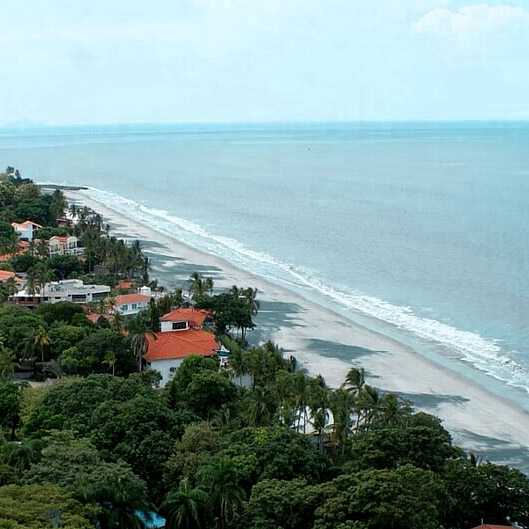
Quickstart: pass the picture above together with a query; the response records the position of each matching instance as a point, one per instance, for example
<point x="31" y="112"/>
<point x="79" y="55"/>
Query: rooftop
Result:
<point x="6" y="274"/>
<point x="194" y="317"/>
<point x="26" y="224"/>
<point x="131" y="298"/>
<point x="171" y="345"/>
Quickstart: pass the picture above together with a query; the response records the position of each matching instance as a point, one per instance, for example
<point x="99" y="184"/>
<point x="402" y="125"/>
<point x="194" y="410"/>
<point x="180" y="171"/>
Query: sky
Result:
<point x="131" y="61"/>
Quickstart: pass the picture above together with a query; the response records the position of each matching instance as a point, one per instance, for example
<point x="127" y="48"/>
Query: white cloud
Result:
<point x="472" y="19"/>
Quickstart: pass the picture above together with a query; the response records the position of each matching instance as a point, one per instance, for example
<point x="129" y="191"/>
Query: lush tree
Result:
<point x="420" y="446"/>
<point x="273" y="453"/>
<point x="70" y="404"/>
<point x="276" y="504"/>
<point x="89" y="355"/>
<point x="190" y="366"/>
<point x="64" y="312"/>
<point x="402" y="498"/>
<point x="196" y="447"/>
<point x="9" y="407"/>
<point x="221" y="480"/>
<point x="38" y="506"/>
<point x="186" y="507"/>
<point x="207" y="392"/>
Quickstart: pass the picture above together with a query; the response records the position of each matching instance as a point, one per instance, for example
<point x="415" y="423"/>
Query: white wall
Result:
<point x="164" y="367"/>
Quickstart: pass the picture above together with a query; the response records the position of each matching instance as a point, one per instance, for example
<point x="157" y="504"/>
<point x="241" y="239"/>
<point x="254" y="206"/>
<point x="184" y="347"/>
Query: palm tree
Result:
<point x="226" y="495"/>
<point x="198" y="286"/>
<point x="320" y="421"/>
<point x="21" y="455"/>
<point x="355" y="380"/>
<point x="186" y="507"/>
<point x="250" y="295"/>
<point x="32" y="286"/>
<point x="110" y="361"/>
<point x="41" y="340"/>
<point x="7" y="365"/>
<point x="55" y="368"/>
<point x="122" y="505"/>
<point x="342" y="404"/>
<point x="137" y="338"/>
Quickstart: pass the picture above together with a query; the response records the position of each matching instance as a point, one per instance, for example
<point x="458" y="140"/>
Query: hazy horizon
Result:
<point x="224" y="61"/>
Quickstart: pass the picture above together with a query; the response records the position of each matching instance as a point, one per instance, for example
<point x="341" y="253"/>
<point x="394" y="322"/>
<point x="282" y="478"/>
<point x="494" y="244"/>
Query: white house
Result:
<point x="26" y="230"/>
<point x="64" y="245"/>
<point x="174" y="343"/>
<point x="130" y="304"/>
<point x="73" y="290"/>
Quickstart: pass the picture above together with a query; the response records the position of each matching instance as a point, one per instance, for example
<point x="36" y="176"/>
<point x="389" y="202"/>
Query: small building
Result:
<point x="64" y="245"/>
<point x="26" y="230"/>
<point x="73" y="290"/>
<point x="130" y="304"/>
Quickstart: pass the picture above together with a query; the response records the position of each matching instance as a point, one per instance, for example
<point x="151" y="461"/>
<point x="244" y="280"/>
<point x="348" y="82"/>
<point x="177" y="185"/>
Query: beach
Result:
<point x="329" y="343"/>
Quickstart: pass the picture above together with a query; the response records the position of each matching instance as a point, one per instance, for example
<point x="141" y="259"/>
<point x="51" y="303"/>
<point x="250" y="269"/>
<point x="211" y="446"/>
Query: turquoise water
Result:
<point x="418" y="230"/>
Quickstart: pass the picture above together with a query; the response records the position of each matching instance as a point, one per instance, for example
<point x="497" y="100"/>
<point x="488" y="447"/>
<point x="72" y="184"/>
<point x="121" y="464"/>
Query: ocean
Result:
<point x="416" y="230"/>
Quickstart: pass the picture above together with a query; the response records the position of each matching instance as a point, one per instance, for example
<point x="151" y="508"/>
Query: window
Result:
<point x="134" y="306"/>
<point x="124" y="307"/>
<point x="172" y="369"/>
<point x="179" y="325"/>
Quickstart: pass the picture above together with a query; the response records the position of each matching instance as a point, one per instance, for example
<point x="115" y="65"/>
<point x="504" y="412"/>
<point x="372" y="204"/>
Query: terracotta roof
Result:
<point x="488" y="526"/>
<point x="130" y="298"/>
<point x="60" y="238"/>
<point x="26" y="223"/>
<point x="6" y="274"/>
<point x="125" y="284"/>
<point x="194" y="317"/>
<point x="179" y="344"/>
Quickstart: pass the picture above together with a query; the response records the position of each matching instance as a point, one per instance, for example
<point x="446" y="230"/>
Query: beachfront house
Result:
<point x="64" y="245"/>
<point x="26" y="230"/>
<point x="130" y="304"/>
<point x="73" y="290"/>
<point x="174" y="343"/>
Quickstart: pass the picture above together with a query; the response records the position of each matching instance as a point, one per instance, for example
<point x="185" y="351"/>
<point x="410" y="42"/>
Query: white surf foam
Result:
<point x="470" y="347"/>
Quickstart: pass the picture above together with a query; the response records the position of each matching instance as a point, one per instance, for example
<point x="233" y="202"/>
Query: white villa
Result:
<point x="64" y="245"/>
<point x="73" y="290"/>
<point x="181" y="336"/>
<point x="26" y="230"/>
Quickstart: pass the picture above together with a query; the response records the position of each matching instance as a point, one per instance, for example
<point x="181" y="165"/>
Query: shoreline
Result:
<point x="329" y="343"/>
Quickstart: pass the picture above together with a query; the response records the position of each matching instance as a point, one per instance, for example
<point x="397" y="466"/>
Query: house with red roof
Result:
<point x="26" y="230"/>
<point x="169" y="347"/>
<point x="130" y="304"/>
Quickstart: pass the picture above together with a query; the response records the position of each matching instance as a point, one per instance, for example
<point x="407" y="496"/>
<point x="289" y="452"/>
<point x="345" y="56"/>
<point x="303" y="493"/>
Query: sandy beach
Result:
<point x="321" y="340"/>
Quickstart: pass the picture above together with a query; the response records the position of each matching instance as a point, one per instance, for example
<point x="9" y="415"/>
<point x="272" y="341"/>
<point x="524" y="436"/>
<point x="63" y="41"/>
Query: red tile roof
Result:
<point x="179" y="344"/>
<point x="125" y="284"/>
<point x="6" y="274"/>
<point x="130" y="298"/>
<point x="26" y="223"/>
<point x="488" y="526"/>
<point x="194" y="317"/>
